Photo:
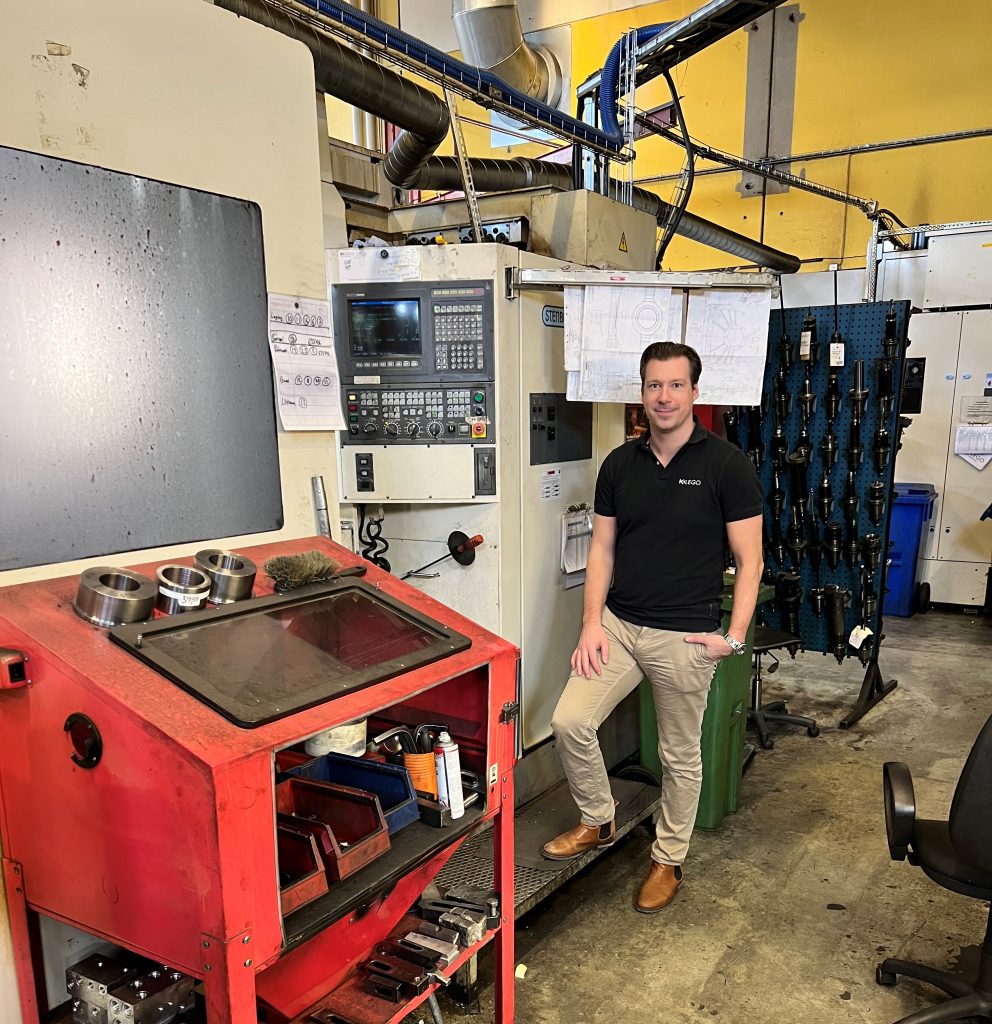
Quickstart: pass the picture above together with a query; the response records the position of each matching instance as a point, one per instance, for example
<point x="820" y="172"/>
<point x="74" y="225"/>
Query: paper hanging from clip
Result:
<point x="576" y="536"/>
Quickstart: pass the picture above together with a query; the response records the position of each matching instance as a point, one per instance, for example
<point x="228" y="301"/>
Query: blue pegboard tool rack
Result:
<point x="862" y="327"/>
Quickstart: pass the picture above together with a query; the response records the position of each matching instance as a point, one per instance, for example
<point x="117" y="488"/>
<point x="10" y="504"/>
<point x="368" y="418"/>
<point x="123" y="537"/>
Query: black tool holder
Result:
<point x="841" y="575"/>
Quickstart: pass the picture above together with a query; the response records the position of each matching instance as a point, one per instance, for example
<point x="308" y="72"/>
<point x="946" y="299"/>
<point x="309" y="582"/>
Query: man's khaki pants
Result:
<point x="680" y="676"/>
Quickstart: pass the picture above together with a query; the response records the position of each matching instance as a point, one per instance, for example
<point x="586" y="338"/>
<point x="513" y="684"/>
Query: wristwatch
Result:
<point x="735" y="645"/>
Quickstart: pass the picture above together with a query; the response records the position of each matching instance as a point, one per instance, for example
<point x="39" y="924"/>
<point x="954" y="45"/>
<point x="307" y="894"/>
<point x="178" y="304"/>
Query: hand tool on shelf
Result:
<point x="425" y="735"/>
<point x="398" y="740"/>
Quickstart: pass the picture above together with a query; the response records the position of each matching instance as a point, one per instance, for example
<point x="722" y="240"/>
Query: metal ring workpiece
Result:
<point x="108" y="596"/>
<point x="232" y="575"/>
<point x="181" y="589"/>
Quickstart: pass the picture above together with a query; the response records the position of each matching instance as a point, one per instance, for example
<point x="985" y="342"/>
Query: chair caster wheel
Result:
<point x="884" y="977"/>
<point x="813" y="730"/>
<point x="767" y="744"/>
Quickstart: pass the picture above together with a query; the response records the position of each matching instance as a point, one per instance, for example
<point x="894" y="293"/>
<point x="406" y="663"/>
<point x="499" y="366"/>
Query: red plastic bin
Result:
<point x="347" y="823"/>
<point x="301" y="870"/>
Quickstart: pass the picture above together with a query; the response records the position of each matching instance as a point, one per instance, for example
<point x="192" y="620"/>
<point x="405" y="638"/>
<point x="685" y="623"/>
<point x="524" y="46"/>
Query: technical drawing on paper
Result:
<point x="728" y="327"/>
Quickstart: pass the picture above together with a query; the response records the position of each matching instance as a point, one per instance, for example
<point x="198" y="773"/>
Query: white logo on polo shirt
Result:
<point x="690" y="483"/>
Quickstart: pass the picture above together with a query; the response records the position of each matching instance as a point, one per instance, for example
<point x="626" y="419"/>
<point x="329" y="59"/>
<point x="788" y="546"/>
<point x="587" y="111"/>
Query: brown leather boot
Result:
<point x="659" y="888"/>
<point x="579" y="839"/>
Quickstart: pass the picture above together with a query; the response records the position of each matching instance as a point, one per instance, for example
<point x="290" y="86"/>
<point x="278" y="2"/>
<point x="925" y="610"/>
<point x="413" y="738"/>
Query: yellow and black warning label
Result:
<point x="623" y="241"/>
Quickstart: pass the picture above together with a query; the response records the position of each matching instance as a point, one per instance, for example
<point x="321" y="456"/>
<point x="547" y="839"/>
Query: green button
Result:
<point x="478" y="396"/>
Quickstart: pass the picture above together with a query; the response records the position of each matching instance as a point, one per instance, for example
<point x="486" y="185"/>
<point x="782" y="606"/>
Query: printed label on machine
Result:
<point x="307" y="384"/>
<point x="551" y="484"/>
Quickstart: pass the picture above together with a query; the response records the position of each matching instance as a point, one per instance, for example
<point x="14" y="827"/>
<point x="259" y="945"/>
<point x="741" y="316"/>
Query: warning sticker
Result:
<point x="623" y="241"/>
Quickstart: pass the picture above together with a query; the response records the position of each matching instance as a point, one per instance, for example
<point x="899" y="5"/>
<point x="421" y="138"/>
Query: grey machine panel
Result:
<point x="136" y="398"/>
<point x="560" y="431"/>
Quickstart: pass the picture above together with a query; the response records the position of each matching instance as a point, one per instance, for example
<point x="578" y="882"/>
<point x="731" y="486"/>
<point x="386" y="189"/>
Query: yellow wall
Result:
<point x="866" y="72"/>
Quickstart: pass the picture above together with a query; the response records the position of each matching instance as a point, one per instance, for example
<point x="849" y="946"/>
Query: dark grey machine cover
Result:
<point x="136" y="395"/>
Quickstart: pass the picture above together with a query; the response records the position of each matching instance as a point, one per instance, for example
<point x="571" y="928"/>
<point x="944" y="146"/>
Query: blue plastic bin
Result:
<point x="912" y="510"/>
<point x="390" y="783"/>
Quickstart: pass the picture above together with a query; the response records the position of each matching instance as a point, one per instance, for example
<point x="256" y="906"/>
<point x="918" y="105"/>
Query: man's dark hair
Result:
<point x="672" y="350"/>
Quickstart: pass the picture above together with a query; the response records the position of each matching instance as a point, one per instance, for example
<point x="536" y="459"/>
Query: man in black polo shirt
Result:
<point x="667" y="505"/>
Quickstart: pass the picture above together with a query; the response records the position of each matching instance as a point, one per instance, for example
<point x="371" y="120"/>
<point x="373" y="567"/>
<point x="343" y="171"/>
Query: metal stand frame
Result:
<point x="873" y="689"/>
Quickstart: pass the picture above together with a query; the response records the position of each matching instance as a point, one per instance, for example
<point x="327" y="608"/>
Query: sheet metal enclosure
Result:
<point x="167" y="846"/>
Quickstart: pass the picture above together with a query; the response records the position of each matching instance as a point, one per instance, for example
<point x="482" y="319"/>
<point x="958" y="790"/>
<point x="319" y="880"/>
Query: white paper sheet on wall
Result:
<point x="608" y="328"/>
<point x="617" y="325"/>
<point x="308" y="390"/>
<point x="728" y="327"/>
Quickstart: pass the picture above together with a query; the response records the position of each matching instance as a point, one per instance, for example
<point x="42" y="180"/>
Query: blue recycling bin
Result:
<point x="912" y="510"/>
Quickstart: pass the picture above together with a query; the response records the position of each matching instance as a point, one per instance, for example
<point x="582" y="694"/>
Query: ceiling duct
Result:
<point x="347" y="75"/>
<point x="490" y="37"/>
<point x="344" y="73"/>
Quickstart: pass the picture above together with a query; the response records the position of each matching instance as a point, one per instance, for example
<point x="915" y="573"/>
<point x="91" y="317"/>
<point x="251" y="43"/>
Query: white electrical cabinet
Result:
<point x="957" y="350"/>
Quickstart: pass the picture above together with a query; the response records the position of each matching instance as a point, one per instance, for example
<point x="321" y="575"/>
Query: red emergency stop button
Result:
<point x="478" y="430"/>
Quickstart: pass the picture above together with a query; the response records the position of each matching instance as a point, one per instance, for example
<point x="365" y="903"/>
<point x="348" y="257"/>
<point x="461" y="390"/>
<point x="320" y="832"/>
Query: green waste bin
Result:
<point x="724" y="725"/>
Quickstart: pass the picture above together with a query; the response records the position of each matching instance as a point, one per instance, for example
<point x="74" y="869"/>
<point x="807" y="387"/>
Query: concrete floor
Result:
<point x="786" y="908"/>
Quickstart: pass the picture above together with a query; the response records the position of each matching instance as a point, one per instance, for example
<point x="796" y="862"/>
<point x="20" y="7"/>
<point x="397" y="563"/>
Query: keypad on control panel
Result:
<point x="458" y="334"/>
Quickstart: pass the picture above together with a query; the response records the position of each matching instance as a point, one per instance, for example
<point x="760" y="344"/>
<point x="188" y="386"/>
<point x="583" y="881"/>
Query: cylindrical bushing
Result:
<point x="181" y="589"/>
<point x="108" y="596"/>
<point x="232" y="576"/>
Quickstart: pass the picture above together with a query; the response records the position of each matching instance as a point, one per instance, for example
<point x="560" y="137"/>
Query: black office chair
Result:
<point x="766" y="641"/>
<point x="956" y="854"/>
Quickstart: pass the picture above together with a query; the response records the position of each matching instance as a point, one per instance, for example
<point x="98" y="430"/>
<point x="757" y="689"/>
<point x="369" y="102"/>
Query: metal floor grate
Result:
<point x="554" y="812"/>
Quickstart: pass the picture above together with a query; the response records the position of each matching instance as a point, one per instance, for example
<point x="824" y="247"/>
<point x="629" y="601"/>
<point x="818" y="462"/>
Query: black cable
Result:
<point x="836" y="322"/>
<point x="690" y="155"/>
<point x="377" y="545"/>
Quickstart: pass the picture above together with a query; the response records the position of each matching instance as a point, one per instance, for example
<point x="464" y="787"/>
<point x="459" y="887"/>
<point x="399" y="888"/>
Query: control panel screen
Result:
<point x="389" y="327"/>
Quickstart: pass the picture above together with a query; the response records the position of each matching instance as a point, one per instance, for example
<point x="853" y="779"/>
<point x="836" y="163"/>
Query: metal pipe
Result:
<point x="490" y="37"/>
<point x="829" y="154"/>
<point x="346" y="74"/>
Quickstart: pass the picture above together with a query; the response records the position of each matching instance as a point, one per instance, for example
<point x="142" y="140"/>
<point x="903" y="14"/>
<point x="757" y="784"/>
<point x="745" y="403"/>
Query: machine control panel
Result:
<point x="419" y="414"/>
<point x="435" y="331"/>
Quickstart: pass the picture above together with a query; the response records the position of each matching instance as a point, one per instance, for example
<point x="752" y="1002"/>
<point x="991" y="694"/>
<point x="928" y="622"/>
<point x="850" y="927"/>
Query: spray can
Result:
<point x="447" y="763"/>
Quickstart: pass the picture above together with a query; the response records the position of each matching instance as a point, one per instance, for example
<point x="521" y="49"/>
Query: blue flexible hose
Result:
<point x="608" y="98"/>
